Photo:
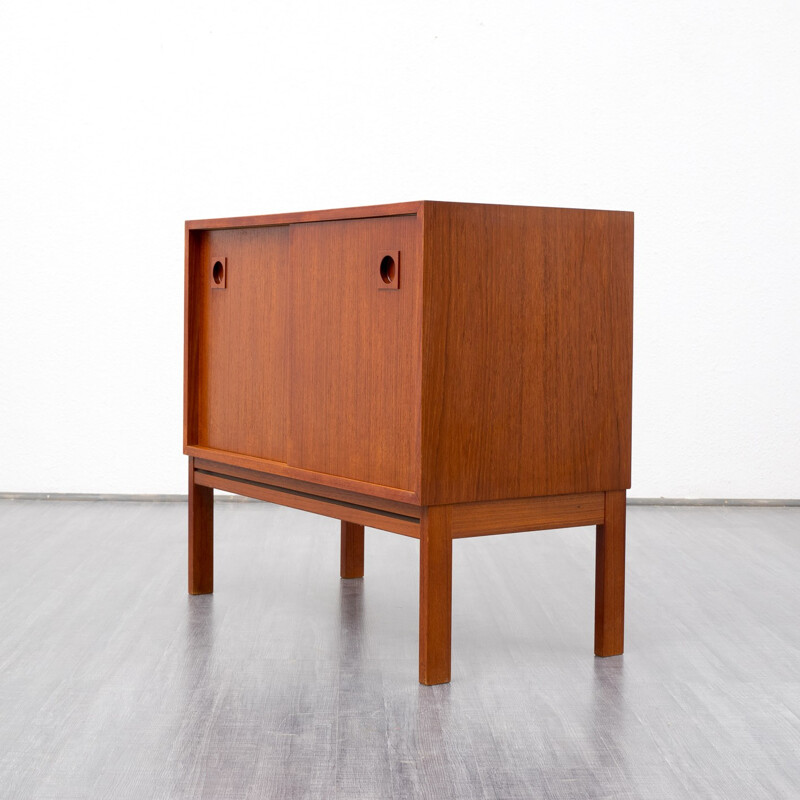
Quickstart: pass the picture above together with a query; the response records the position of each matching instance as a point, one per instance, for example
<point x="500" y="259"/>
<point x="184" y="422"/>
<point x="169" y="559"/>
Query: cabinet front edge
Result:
<point x="288" y="471"/>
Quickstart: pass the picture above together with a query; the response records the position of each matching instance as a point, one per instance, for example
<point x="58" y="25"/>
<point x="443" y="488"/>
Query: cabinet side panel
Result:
<point x="240" y="336"/>
<point x="527" y="340"/>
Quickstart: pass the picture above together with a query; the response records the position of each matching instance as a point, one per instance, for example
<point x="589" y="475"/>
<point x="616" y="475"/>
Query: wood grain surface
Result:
<point x="293" y="217"/>
<point x="526" y="514"/>
<point x="201" y="536"/>
<point x="322" y="479"/>
<point x="311" y="487"/>
<point x="239" y="337"/>
<point x="316" y="504"/>
<point x="499" y="368"/>
<point x="353" y="362"/>
<point x="435" y="595"/>
<point x="527" y="329"/>
<point x="609" y="608"/>
<point x="351" y="557"/>
<point x="470" y="362"/>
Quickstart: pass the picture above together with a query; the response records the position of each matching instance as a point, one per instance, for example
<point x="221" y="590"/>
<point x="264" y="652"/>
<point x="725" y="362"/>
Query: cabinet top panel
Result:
<point x="358" y="212"/>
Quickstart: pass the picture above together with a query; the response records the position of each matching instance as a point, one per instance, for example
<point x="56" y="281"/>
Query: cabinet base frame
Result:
<point x="435" y="527"/>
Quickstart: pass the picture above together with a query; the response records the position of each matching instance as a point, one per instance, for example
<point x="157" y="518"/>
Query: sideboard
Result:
<point x="437" y="370"/>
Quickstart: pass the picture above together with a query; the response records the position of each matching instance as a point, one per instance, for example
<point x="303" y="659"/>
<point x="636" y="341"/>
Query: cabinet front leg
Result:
<point x="435" y="594"/>
<point x="609" y="609"/>
<point x="201" y="536"/>
<point x="352" y="553"/>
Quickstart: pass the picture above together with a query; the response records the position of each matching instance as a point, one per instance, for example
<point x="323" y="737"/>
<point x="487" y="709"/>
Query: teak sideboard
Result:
<point x="438" y="370"/>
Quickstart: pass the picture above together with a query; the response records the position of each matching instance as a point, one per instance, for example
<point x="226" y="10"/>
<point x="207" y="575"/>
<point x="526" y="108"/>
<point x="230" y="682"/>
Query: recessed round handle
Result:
<point x="218" y="272"/>
<point x="388" y="269"/>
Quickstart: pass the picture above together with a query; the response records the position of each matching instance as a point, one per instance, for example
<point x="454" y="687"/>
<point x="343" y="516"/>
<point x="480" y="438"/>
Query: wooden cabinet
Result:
<point x="438" y="370"/>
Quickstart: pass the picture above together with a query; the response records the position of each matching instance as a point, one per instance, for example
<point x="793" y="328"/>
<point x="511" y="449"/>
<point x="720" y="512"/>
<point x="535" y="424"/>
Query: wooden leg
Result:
<point x="201" y="536"/>
<point x="435" y="594"/>
<point x="609" y="609"/>
<point x="352" y="556"/>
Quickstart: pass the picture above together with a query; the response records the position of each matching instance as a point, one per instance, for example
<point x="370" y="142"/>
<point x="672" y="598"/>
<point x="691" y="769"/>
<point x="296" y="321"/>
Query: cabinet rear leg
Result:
<point x="201" y="536"/>
<point x="352" y="553"/>
<point x="435" y="595"/>
<point x="609" y="609"/>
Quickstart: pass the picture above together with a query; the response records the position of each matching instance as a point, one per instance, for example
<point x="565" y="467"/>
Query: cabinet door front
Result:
<point x="238" y="294"/>
<point x="354" y="349"/>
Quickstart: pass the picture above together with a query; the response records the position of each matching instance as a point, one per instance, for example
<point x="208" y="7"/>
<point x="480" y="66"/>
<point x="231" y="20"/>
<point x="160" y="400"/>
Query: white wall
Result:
<point x="117" y="123"/>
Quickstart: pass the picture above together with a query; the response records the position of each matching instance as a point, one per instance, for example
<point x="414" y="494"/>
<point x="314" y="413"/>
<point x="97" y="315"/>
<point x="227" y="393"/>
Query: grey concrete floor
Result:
<point x="290" y="683"/>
